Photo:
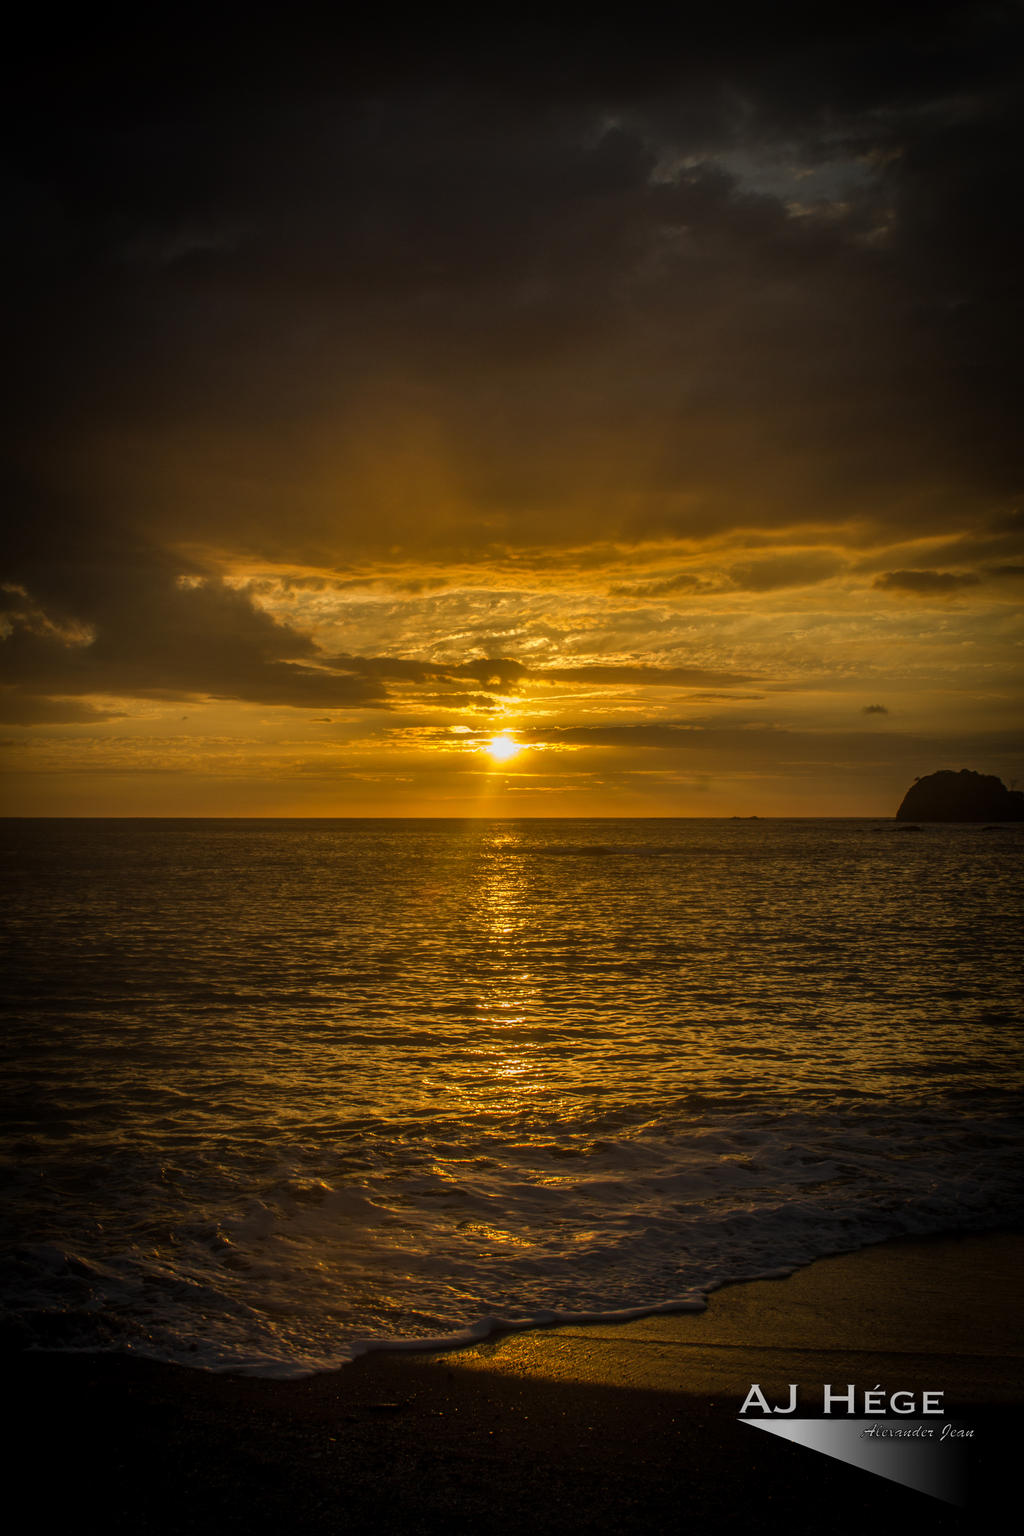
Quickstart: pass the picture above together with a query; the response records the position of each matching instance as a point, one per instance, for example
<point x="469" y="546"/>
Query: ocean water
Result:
<point x="274" y="1089"/>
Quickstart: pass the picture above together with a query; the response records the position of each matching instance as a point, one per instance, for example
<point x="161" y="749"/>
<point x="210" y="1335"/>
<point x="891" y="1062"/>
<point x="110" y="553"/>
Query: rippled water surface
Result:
<point x="273" y="1087"/>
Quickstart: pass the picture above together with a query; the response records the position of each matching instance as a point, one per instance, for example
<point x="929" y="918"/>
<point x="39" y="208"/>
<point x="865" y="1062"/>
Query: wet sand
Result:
<point x="612" y="1428"/>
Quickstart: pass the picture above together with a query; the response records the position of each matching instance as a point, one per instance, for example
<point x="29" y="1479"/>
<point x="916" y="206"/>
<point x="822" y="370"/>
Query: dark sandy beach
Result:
<point x="614" y="1428"/>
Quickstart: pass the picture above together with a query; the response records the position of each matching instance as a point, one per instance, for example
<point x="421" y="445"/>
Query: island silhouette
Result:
<point x="963" y="796"/>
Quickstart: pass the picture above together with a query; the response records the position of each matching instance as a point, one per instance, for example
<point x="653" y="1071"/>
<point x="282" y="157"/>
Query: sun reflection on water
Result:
<point x="508" y="998"/>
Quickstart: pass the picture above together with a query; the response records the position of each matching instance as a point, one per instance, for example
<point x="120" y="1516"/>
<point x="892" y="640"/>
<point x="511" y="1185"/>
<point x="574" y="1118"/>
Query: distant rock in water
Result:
<point x="963" y="796"/>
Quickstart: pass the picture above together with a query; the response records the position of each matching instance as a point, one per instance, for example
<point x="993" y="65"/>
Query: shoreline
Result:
<point x="610" y="1427"/>
<point x="621" y="1320"/>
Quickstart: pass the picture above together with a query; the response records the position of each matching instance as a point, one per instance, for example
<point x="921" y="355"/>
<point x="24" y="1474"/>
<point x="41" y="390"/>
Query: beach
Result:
<point x="612" y="1427"/>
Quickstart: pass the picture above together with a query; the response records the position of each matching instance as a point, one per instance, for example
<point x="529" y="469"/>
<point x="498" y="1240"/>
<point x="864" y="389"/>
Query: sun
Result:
<point x="502" y="748"/>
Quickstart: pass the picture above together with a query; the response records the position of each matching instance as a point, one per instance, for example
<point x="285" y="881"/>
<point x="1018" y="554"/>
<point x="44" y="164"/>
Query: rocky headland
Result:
<point x="963" y="796"/>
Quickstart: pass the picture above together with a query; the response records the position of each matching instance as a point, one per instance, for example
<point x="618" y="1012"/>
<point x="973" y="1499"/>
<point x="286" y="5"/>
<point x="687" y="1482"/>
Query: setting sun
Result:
<point x="502" y="748"/>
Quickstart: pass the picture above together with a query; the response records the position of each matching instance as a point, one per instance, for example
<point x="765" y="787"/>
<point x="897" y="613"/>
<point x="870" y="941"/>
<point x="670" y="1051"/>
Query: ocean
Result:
<point x="277" y="1091"/>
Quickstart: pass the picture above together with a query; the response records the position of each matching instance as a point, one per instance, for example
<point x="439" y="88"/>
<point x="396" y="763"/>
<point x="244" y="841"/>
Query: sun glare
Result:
<point x="502" y="748"/>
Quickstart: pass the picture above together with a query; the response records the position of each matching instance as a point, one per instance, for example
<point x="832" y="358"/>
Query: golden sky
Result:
<point x="651" y="402"/>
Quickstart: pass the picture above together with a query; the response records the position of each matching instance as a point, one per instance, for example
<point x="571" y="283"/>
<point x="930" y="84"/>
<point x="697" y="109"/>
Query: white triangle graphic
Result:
<point x="927" y="1464"/>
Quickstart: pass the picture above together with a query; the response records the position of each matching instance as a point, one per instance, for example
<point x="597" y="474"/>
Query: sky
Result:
<point x="642" y="397"/>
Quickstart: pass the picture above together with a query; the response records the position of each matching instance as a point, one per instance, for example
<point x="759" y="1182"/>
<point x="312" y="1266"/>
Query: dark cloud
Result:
<point x="771" y="575"/>
<point x="23" y="707"/>
<point x="637" y="676"/>
<point x="760" y="747"/>
<point x="91" y="609"/>
<point x="663" y="735"/>
<point x="926" y="583"/>
<point x="702" y="697"/>
<point x="125" y="618"/>
<point x="481" y="702"/>
<point x="504" y="673"/>
<point x="419" y="295"/>
<point x="996" y="540"/>
<point x="501" y="673"/>
<point x="666" y="587"/>
<point x="280" y="296"/>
